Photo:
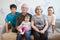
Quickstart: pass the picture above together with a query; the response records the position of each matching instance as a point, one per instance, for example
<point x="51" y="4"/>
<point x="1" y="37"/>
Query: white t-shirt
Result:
<point x="27" y="25"/>
<point x="51" y="21"/>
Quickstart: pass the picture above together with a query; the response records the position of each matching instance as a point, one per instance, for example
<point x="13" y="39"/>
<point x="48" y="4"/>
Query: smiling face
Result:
<point x="13" y="10"/>
<point x="38" y="10"/>
<point x="26" y="18"/>
<point x="24" y="8"/>
<point x="50" y="11"/>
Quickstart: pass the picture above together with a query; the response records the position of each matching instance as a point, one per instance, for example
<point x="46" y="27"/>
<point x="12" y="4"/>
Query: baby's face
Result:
<point x="26" y="18"/>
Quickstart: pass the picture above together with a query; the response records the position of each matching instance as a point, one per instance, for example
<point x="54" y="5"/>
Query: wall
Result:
<point x="4" y="6"/>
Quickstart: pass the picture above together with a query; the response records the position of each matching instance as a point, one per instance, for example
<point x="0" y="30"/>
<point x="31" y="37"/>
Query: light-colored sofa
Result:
<point x="12" y="36"/>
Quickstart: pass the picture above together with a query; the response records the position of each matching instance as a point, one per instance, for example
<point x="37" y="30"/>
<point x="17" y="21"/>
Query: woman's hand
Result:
<point x="42" y="32"/>
<point x="52" y="28"/>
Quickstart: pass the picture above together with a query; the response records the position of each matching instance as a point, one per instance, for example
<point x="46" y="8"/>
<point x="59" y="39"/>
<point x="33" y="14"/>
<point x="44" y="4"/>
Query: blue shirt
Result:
<point x="11" y="18"/>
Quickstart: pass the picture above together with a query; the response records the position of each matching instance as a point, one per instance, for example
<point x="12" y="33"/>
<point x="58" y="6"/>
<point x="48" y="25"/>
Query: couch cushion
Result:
<point x="55" y="36"/>
<point x="0" y="37"/>
<point x="12" y="36"/>
<point x="9" y="36"/>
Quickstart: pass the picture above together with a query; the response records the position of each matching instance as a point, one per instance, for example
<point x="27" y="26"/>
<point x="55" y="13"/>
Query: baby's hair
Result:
<point x="26" y="16"/>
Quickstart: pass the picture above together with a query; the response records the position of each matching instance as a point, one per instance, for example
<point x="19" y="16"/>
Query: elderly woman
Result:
<point x="39" y="24"/>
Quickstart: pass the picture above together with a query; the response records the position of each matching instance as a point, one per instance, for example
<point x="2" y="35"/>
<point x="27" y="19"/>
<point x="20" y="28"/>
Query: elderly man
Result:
<point x="19" y="20"/>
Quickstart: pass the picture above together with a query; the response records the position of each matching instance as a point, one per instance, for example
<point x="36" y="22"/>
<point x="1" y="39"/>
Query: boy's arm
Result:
<point x="7" y="22"/>
<point x="6" y="26"/>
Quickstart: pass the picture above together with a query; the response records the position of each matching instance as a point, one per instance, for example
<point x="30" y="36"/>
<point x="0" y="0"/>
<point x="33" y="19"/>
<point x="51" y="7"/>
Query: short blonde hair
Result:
<point x="37" y="8"/>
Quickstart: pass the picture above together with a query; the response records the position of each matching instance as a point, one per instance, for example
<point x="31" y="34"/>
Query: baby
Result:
<point x="22" y="29"/>
<point x="25" y="25"/>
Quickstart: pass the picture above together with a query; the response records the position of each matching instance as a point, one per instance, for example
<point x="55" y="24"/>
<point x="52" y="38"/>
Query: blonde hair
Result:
<point x="37" y="8"/>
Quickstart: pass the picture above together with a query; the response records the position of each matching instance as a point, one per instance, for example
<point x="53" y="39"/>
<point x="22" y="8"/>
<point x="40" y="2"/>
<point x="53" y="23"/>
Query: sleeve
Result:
<point x="53" y="20"/>
<point x="7" y="19"/>
<point x="17" y="20"/>
<point x="22" y="23"/>
<point x="32" y="19"/>
<point x="45" y="18"/>
<point x="18" y="13"/>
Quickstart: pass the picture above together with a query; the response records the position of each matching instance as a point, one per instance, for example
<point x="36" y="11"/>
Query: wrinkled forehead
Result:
<point x="38" y="7"/>
<point x="24" y="6"/>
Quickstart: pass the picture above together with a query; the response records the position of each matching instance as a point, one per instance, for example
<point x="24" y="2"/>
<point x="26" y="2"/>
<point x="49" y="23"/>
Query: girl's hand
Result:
<point x="22" y="33"/>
